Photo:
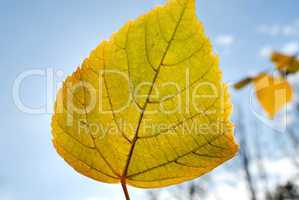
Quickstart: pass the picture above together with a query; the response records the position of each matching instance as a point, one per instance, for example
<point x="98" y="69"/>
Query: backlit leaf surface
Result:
<point x="286" y="64"/>
<point x="148" y="106"/>
<point x="273" y="93"/>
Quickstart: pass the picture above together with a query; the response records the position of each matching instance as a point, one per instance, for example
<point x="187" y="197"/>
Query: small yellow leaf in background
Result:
<point x="284" y="63"/>
<point x="148" y="107"/>
<point x="243" y="83"/>
<point x="273" y="93"/>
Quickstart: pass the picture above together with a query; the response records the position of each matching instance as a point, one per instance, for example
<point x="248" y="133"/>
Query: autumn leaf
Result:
<point x="285" y="64"/>
<point x="148" y="107"/>
<point x="243" y="83"/>
<point x="273" y="93"/>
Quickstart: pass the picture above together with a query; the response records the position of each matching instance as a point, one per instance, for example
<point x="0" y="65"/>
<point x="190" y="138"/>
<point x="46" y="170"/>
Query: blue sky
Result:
<point x="41" y="34"/>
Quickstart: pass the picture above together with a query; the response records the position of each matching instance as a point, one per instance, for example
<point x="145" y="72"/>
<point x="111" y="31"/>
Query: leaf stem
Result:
<point x="125" y="189"/>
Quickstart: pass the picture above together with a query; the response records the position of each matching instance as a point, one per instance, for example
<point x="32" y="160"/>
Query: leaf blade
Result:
<point x="158" y="48"/>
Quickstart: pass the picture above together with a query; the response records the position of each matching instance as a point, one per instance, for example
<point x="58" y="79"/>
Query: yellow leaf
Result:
<point x="148" y="106"/>
<point x="243" y="83"/>
<point x="285" y="64"/>
<point x="273" y="93"/>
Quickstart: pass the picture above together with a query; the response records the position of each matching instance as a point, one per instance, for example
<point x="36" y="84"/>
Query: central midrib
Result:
<point x="124" y="174"/>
